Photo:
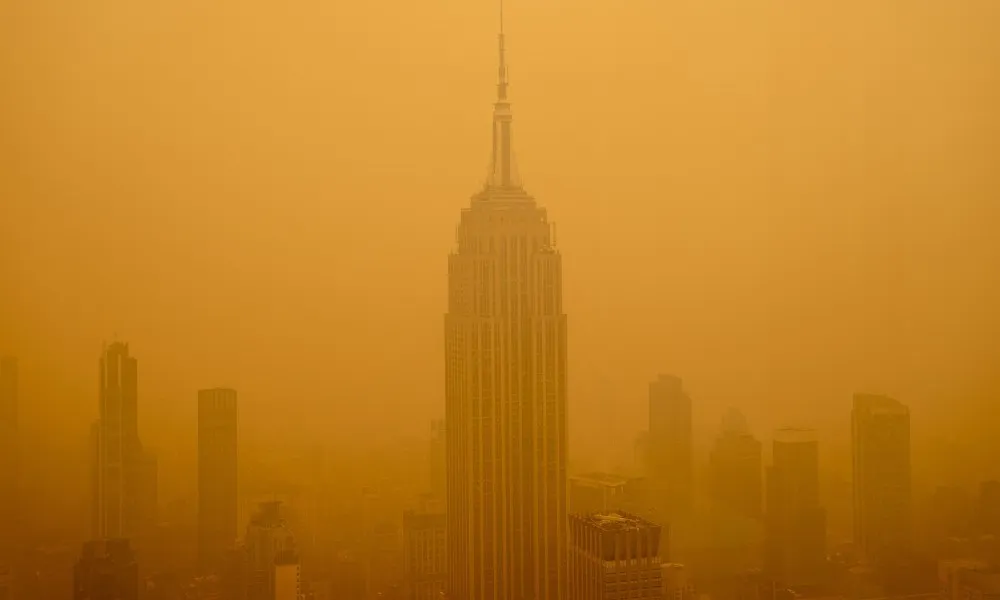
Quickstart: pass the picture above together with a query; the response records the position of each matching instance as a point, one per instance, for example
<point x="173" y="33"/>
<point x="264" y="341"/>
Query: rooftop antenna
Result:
<point x="502" y="83"/>
<point x="502" y="172"/>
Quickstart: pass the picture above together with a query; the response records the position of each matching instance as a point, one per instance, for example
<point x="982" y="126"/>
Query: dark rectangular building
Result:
<point x="795" y="525"/>
<point x="217" y="476"/>
<point x="107" y="570"/>
<point x="9" y="463"/>
<point x="880" y="428"/>
<point x="670" y="442"/>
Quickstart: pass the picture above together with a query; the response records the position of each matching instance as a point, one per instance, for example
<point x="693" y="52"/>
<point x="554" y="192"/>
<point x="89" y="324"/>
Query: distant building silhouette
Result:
<point x="614" y="555"/>
<point x="9" y="461"/>
<point x="8" y="392"/>
<point x="381" y="550"/>
<point x="969" y="580"/>
<point x="124" y="474"/>
<point x="677" y="582"/>
<point x="988" y="510"/>
<point x="505" y="400"/>
<point x="596" y="492"/>
<point x="670" y="443"/>
<point x="6" y="582"/>
<point x="880" y="430"/>
<point x="269" y="544"/>
<point x="737" y="469"/>
<point x="107" y="570"/>
<point x="234" y="574"/>
<point x="217" y="479"/>
<point x="425" y="560"/>
<point x="951" y="515"/>
<point x="795" y="525"/>
<point x="52" y="572"/>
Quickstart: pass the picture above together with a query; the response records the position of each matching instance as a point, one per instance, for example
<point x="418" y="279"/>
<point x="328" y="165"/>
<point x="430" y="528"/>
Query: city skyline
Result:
<point x="834" y="257"/>
<point x="780" y="219"/>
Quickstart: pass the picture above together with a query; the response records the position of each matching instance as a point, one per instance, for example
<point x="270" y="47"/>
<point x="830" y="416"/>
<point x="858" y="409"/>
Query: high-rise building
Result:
<point x="217" y="490"/>
<point x="269" y="541"/>
<point x="737" y="469"/>
<point x="670" y="443"/>
<point x="505" y="400"/>
<point x="795" y="539"/>
<point x="107" y="570"/>
<point x="614" y="555"/>
<point x="124" y="474"/>
<point x="425" y="561"/>
<point x="9" y="464"/>
<point x="880" y="428"/>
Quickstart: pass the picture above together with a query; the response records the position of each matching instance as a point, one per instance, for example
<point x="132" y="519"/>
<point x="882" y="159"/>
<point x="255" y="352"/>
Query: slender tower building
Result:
<point x="880" y="429"/>
<point x="117" y="445"/>
<point x="505" y="397"/>
<point x="217" y="489"/>
<point x="123" y="472"/>
<point x="671" y="446"/>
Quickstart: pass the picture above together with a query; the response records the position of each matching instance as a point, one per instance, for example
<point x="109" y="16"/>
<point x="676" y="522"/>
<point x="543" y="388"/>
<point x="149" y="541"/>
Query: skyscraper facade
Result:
<point x="880" y="430"/>
<point x="795" y="542"/>
<point x="217" y="482"/>
<point x="670" y="443"/>
<point x="505" y="400"/>
<point x="124" y="474"/>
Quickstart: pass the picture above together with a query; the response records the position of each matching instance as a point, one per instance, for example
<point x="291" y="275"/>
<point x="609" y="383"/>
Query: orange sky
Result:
<point x="782" y="204"/>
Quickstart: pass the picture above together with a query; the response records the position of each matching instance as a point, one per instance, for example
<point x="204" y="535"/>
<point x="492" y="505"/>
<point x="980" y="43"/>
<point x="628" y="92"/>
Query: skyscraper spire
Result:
<point x="502" y="78"/>
<point x="503" y="173"/>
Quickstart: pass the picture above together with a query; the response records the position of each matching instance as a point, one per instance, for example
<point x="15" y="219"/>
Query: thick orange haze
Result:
<point x="782" y="204"/>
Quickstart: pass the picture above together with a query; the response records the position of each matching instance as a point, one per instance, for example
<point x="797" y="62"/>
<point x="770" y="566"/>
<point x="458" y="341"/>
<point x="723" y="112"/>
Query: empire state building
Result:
<point x="505" y="397"/>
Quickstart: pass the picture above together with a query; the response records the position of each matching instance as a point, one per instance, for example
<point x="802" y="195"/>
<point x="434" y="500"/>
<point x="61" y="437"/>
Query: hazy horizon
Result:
<point x="781" y="205"/>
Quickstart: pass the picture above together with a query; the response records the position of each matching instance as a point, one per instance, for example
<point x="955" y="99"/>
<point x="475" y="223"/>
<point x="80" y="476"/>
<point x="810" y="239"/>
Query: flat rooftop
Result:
<point x="794" y="435"/>
<point x="616" y="521"/>
<point x="600" y="479"/>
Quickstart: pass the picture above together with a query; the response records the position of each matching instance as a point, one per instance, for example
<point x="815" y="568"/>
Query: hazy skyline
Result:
<point x="783" y="205"/>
